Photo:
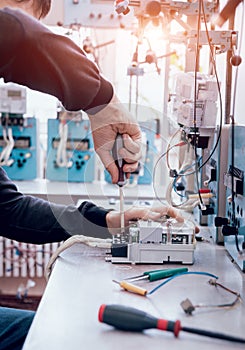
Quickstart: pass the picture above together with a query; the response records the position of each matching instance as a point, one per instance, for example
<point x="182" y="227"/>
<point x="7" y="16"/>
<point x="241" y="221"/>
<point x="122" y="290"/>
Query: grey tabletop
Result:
<point x="81" y="281"/>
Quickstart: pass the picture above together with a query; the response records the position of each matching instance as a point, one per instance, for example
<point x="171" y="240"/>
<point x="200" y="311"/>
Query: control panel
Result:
<point x="70" y="154"/>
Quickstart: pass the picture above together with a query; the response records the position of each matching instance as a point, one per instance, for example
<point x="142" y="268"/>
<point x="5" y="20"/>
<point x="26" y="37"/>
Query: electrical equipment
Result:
<point x="87" y="13"/>
<point x="234" y="227"/>
<point x="155" y="243"/>
<point x="215" y="170"/>
<point x="152" y="8"/>
<point x="12" y="99"/>
<point x="70" y="151"/>
<point x="194" y="107"/>
<point x="18" y="135"/>
<point x="145" y="171"/>
<point x="221" y="40"/>
<point x="206" y="96"/>
<point x="20" y="162"/>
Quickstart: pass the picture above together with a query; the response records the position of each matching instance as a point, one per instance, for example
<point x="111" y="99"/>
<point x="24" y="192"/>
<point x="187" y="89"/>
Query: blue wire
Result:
<point x="181" y="274"/>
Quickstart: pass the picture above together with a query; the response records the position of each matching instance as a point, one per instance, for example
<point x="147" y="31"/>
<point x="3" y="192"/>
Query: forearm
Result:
<point x="33" y="220"/>
<point x="56" y="65"/>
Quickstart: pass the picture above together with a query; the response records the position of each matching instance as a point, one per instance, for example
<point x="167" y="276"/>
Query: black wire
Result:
<point x="195" y="100"/>
<point x="213" y="334"/>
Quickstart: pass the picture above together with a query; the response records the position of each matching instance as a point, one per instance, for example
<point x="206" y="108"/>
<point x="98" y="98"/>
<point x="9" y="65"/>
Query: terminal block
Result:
<point x="156" y="243"/>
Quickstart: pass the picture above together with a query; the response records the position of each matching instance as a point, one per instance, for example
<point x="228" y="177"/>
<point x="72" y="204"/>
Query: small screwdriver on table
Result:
<point x="134" y="320"/>
<point x="156" y="275"/>
<point x="118" y="144"/>
<point x="131" y="287"/>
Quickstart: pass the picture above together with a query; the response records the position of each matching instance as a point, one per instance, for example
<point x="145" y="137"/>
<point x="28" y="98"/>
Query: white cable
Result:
<point x="188" y="205"/>
<point x="90" y="241"/>
<point x="168" y="193"/>
<point x="61" y="157"/>
<point x="10" y="147"/>
<point x="61" y="150"/>
<point x="2" y="156"/>
<point x="5" y="154"/>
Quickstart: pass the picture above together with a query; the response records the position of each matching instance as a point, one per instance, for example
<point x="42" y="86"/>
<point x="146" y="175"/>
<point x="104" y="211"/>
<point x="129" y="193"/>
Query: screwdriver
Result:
<point x="118" y="144"/>
<point x="131" y="287"/>
<point x="130" y="319"/>
<point x="156" y="275"/>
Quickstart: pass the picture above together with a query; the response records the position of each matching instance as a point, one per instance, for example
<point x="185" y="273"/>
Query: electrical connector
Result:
<point x="203" y="207"/>
<point x="173" y="173"/>
<point x="219" y="221"/>
<point x="187" y="306"/>
<point x="229" y="230"/>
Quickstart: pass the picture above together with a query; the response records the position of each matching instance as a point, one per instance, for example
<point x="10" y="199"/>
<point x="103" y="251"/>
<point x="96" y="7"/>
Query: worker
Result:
<point x="33" y="56"/>
<point x="57" y="66"/>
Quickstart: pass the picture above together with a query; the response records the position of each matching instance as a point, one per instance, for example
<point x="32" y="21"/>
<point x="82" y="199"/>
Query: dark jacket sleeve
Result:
<point x="33" y="56"/>
<point x="32" y="220"/>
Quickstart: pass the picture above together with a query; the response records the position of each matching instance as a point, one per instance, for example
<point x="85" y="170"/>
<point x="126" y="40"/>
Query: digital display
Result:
<point x="20" y="142"/>
<point x="14" y="93"/>
<point x="73" y="144"/>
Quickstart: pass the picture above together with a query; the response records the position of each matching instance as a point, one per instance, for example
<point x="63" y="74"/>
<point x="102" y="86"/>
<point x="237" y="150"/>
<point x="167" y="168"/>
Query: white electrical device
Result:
<point x="12" y="98"/>
<point x="206" y="89"/>
<point x="150" y="242"/>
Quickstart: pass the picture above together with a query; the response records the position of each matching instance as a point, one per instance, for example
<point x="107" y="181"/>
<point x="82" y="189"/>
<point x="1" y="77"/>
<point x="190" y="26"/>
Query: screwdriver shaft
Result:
<point x="121" y="209"/>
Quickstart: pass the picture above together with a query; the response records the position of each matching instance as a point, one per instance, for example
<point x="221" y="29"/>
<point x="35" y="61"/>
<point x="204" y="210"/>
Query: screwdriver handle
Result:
<point x="130" y="319"/>
<point x="159" y="274"/>
<point x="118" y="144"/>
<point x="133" y="288"/>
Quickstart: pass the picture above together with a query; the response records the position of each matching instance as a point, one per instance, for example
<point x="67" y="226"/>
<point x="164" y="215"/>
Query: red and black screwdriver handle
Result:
<point x="131" y="319"/>
<point x="119" y="161"/>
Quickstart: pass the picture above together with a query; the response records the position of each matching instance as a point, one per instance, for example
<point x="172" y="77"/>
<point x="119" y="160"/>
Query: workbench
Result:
<point x="81" y="281"/>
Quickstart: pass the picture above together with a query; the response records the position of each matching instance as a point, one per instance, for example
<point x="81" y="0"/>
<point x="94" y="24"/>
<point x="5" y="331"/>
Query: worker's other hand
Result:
<point x="105" y="125"/>
<point x="113" y="218"/>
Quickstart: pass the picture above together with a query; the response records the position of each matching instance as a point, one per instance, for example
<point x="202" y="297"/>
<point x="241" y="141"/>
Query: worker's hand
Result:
<point x="113" y="218"/>
<point x="105" y="125"/>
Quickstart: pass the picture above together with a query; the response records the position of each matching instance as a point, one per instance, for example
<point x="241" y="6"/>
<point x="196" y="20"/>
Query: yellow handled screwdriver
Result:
<point x="131" y="287"/>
